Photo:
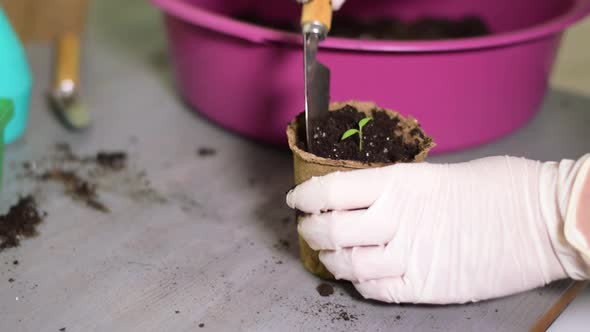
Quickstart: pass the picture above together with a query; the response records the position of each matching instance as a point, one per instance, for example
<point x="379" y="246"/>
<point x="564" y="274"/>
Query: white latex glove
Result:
<point x="428" y="233"/>
<point x="336" y="4"/>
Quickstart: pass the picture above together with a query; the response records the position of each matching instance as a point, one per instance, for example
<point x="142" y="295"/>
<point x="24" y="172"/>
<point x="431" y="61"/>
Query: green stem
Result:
<point x="361" y="139"/>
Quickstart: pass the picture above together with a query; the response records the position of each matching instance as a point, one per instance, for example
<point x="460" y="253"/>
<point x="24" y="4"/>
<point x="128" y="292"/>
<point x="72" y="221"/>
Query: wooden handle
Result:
<point x="317" y="10"/>
<point x="67" y="61"/>
<point x="551" y="315"/>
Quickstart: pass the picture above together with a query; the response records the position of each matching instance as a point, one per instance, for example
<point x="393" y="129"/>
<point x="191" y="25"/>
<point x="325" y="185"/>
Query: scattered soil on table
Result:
<point x="381" y="142"/>
<point x="11" y="280"/>
<point x="15" y="262"/>
<point x="398" y="317"/>
<point x="383" y="28"/>
<point x="177" y="311"/>
<point x="83" y="175"/>
<point x="21" y="221"/>
<point x="115" y="160"/>
<point x="345" y="316"/>
<point x="62" y="329"/>
<point x="206" y="152"/>
<point x="338" y="312"/>
<point x="77" y="188"/>
<point x="330" y="311"/>
<point x="325" y="289"/>
<point x="201" y="325"/>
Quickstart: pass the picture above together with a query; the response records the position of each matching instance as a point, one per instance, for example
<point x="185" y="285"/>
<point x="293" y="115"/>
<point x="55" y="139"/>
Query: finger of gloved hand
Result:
<point x="390" y="290"/>
<point x="341" y="229"/>
<point x="360" y="264"/>
<point x="339" y="191"/>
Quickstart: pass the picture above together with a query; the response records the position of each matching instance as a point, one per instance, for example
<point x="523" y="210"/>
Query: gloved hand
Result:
<point x="428" y="233"/>
<point x="336" y="4"/>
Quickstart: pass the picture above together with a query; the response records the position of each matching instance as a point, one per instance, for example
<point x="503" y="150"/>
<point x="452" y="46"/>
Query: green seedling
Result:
<point x="359" y="131"/>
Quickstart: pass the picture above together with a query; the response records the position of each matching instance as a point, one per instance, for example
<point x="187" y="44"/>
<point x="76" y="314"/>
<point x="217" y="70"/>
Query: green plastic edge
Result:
<point x="6" y="113"/>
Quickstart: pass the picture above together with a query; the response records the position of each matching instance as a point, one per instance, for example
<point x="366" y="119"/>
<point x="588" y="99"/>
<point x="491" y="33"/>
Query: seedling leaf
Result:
<point x="364" y="122"/>
<point x="349" y="133"/>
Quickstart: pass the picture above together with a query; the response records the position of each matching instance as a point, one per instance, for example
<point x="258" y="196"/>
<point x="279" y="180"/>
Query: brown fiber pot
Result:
<point x="307" y="165"/>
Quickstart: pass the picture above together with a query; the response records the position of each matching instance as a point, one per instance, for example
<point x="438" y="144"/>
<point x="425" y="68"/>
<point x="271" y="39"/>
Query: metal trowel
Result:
<point x="316" y="20"/>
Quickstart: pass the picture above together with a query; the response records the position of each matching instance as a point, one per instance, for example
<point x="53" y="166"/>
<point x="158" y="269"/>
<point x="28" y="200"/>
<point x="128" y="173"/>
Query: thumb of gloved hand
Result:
<point x="427" y="233"/>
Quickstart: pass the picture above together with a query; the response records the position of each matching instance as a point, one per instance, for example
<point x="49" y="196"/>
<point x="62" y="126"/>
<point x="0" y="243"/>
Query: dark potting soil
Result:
<point x="382" y="28"/>
<point x="20" y="221"/>
<point x="380" y="143"/>
<point x="426" y="28"/>
<point x="325" y="289"/>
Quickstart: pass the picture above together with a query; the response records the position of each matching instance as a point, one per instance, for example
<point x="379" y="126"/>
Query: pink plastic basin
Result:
<point x="465" y="92"/>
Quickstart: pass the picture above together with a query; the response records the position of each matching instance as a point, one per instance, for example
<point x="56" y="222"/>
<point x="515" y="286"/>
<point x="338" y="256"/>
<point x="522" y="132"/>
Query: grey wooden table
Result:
<point x="209" y="247"/>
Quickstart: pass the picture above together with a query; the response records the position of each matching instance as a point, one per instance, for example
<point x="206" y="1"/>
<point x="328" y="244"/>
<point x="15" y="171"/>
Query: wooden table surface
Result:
<point x="204" y="243"/>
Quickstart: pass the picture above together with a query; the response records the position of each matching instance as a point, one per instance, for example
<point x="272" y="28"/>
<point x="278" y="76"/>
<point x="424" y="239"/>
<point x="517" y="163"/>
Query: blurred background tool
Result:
<point x="40" y="21"/>
<point x="64" y="96"/>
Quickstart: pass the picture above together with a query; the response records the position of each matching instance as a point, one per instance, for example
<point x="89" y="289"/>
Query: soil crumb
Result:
<point x="282" y="244"/>
<point x="345" y="316"/>
<point x="11" y="280"/>
<point x="21" y="221"/>
<point x="113" y="160"/>
<point x="76" y="188"/>
<point x="62" y="329"/>
<point x="201" y="325"/>
<point x="15" y="262"/>
<point x="206" y="152"/>
<point x="325" y="289"/>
